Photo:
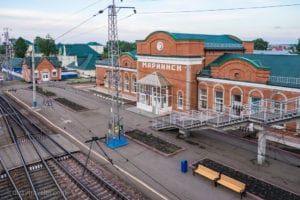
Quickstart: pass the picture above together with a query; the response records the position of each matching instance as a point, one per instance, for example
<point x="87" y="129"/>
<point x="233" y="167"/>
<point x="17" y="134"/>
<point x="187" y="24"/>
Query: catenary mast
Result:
<point x="115" y="137"/>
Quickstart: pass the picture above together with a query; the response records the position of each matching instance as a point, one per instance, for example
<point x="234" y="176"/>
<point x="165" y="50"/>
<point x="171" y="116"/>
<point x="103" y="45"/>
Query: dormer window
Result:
<point x="237" y="75"/>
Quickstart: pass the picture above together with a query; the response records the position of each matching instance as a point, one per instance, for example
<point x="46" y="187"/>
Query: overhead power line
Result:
<point x="219" y="9"/>
<point x="81" y="23"/>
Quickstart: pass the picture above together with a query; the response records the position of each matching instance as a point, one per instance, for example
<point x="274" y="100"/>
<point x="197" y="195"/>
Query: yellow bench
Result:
<point x="206" y="172"/>
<point x="232" y="184"/>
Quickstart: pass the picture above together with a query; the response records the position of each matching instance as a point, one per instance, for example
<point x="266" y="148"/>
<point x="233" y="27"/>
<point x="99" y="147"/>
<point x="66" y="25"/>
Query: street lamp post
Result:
<point x="34" y="104"/>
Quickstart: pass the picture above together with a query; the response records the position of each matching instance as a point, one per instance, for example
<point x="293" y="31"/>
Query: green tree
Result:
<point x="124" y="46"/>
<point x="298" y="46"/>
<point x="46" y="45"/>
<point x="260" y="44"/>
<point x="20" y="48"/>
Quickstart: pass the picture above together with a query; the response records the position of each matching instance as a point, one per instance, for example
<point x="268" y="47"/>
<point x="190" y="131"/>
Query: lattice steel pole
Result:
<point x="115" y="67"/>
<point x="115" y="125"/>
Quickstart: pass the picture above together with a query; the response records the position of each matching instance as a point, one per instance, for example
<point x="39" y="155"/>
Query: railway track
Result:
<point x="63" y="177"/>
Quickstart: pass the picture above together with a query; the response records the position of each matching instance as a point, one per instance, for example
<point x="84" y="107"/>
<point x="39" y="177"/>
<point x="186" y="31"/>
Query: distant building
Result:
<point x="46" y="69"/>
<point x="80" y="57"/>
<point x="13" y="68"/>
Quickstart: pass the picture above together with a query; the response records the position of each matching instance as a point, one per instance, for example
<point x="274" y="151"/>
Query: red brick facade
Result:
<point x="45" y="71"/>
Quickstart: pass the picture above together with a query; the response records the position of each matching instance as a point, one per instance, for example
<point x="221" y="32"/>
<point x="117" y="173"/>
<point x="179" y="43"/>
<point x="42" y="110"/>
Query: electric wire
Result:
<point x="182" y="11"/>
<point x="78" y="25"/>
<point x="97" y="28"/>
<point x="218" y="9"/>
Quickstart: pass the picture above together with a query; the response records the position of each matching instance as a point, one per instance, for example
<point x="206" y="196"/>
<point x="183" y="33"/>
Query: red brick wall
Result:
<point x="240" y="70"/>
<point x="247" y="92"/>
<point x="171" y="47"/>
<point x="100" y="75"/>
<point x="46" y="66"/>
<point x="249" y="47"/>
<point x="126" y="62"/>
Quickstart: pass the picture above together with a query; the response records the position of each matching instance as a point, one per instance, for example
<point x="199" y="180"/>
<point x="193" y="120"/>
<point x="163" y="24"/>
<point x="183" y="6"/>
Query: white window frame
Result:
<point x="219" y="102"/>
<point x="134" y="84"/>
<point x="180" y="100"/>
<point x="107" y="80"/>
<point x="54" y="71"/>
<point x="202" y="98"/>
<point x="126" y="83"/>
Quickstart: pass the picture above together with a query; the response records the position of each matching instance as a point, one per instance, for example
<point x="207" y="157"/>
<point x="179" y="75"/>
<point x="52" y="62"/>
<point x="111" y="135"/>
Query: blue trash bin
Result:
<point x="184" y="166"/>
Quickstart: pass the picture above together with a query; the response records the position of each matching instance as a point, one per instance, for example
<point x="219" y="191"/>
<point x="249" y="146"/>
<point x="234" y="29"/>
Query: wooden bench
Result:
<point x="232" y="184"/>
<point x="206" y="172"/>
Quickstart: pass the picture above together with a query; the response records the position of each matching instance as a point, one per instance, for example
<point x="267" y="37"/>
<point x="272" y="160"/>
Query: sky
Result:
<point x="73" y="21"/>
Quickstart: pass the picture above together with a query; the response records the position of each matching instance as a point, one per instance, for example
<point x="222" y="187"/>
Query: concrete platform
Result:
<point x="161" y="177"/>
<point x="11" y="158"/>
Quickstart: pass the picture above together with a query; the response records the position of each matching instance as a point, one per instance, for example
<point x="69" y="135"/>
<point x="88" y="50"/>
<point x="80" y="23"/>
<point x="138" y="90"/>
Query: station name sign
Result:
<point x="161" y="66"/>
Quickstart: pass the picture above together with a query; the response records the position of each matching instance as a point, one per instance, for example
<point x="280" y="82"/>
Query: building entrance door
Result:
<point x="45" y="77"/>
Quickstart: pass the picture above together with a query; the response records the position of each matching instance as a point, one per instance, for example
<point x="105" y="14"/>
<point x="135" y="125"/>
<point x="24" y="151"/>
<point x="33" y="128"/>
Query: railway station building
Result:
<point x="184" y="72"/>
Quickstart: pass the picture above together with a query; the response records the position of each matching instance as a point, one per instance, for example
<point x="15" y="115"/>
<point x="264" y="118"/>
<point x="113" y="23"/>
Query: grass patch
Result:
<point x="43" y="92"/>
<point x="153" y="141"/>
<point x="70" y="104"/>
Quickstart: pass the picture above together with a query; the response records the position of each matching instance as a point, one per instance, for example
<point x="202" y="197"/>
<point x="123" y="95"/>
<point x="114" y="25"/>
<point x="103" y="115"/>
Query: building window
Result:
<point x="54" y="73"/>
<point x="126" y="88"/>
<point x="107" y="80"/>
<point x="236" y="104"/>
<point x="203" y="99"/>
<point x="278" y="107"/>
<point x="36" y="74"/>
<point x="219" y="101"/>
<point x="119" y="77"/>
<point x="255" y="104"/>
<point x="237" y="75"/>
<point x="179" y="100"/>
<point x="134" y="84"/>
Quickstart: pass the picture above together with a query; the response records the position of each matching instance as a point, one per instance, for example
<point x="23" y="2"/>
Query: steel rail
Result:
<point x="36" y="150"/>
<point x="11" y="132"/>
<point x="87" y="190"/>
<point x="108" y="185"/>
<point x="10" y="179"/>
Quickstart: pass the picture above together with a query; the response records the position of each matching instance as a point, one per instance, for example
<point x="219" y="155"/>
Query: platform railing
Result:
<point x="264" y="111"/>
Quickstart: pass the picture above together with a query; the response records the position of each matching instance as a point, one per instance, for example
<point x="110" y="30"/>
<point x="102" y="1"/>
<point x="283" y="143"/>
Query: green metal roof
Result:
<point x="13" y="63"/>
<point x="211" y="42"/>
<point x="86" y="56"/>
<point x="245" y="57"/>
<point x="76" y="49"/>
<point x="85" y="62"/>
<point x="94" y="44"/>
<point x="284" y="69"/>
<point x="53" y="60"/>
<point x="132" y="54"/>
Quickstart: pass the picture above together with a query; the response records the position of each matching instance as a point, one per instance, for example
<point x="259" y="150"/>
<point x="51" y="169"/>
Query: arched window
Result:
<point x="126" y="82"/>
<point x="119" y="77"/>
<point x="107" y="79"/>
<point x="179" y="100"/>
<point x="134" y="84"/>
<point x="219" y="101"/>
<point x="202" y="103"/>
